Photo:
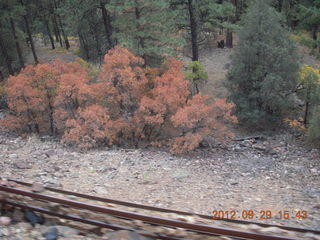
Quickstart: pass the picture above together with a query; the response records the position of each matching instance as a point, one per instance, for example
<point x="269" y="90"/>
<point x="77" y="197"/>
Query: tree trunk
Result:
<point x="57" y="29"/>
<point x="65" y="37"/>
<point x="229" y="39"/>
<point x="1" y="76"/>
<point x="314" y="32"/>
<point x="83" y="43"/>
<point x="55" y="33"/>
<point x="141" y="40"/>
<point x="107" y="23"/>
<point x="6" y="56"/>
<point x="49" y="33"/>
<point x="232" y="19"/>
<point x="194" y="40"/>
<point x="18" y="48"/>
<point x="280" y="5"/>
<point x="306" y="113"/>
<point x="194" y="33"/>
<point x="30" y="36"/>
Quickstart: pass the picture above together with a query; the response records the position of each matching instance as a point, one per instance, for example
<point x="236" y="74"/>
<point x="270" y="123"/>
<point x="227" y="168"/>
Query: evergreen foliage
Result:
<point x="264" y="68"/>
<point x="146" y="27"/>
<point x="314" y="127"/>
<point x="198" y="74"/>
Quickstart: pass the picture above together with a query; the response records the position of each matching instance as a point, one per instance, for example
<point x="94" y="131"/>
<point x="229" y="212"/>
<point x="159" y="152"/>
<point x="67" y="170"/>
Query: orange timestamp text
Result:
<point x="262" y="214"/>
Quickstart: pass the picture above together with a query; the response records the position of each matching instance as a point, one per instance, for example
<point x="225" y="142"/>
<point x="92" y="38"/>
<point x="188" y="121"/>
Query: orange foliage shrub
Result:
<point x="126" y="104"/>
<point x="197" y="119"/>
<point x="32" y="95"/>
<point x="88" y="128"/>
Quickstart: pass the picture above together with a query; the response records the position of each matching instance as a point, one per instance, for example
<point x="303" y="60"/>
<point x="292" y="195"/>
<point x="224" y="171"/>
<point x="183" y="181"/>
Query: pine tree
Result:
<point x="264" y="68"/>
<point x="200" y="18"/>
<point x="314" y="127"/>
<point x="146" y="27"/>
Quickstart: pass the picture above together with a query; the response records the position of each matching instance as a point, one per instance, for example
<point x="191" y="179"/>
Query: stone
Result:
<point x="180" y="232"/>
<point x="254" y="228"/>
<point x="22" y="165"/>
<point x="5" y="221"/>
<point x="13" y="155"/>
<point x="50" y="153"/>
<point x="25" y="226"/>
<point x="37" y="187"/>
<point x="5" y="232"/>
<point x="271" y="230"/>
<point x="4" y="182"/>
<point x="17" y="215"/>
<point x="317" y="206"/>
<point x="65" y="231"/>
<point x="51" y="234"/>
<point x="188" y="219"/>
<point x="12" y="184"/>
<point x="54" y="206"/>
<point x="34" y="218"/>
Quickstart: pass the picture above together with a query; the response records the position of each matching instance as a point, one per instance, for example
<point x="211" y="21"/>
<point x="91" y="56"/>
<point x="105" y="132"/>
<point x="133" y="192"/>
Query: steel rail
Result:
<point x="84" y="220"/>
<point x="152" y="208"/>
<point x="199" y="228"/>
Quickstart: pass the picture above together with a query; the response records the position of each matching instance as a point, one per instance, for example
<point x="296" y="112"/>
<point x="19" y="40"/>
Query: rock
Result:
<point x="2" y="115"/>
<point x="101" y="190"/>
<point x="312" y="236"/>
<point x="188" y="219"/>
<point x="65" y="231"/>
<point x="5" y="221"/>
<point x="4" y="182"/>
<point x="22" y="165"/>
<point x="24" y="225"/>
<point x="13" y="155"/>
<point x="54" y="206"/>
<point x="271" y="230"/>
<point x="17" y="215"/>
<point x="180" y="232"/>
<point x="138" y="223"/>
<point x="313" y="170"/>
<point x="50" y="153"/>
<point x="254" y="228"/>
<point x="317" y="206"/>
<point x="51" y="234"/>
<point x="37" y="187"/>
<point x="34" y="218"/>
<point x="53" y="183"/>
<point x="12" y="184"/>
<point x="4" y="232"/>
<point x="123" y="235"/>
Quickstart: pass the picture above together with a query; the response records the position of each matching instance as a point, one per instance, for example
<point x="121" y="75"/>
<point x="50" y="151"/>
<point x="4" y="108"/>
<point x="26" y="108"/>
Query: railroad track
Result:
<point x="153" y="222"/>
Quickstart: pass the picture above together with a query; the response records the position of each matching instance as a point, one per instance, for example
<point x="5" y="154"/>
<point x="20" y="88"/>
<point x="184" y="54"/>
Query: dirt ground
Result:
<point x="273" y="173"/>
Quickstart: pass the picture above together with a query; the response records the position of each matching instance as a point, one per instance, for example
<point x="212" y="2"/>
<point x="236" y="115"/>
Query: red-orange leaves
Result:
<point x="195" y="114"/>
<point x="171" y="88"/>
<point x="74" y="91"/>
<point x="89" y="128"/>
<point x="32" y="94"/>
<point x="127" y="104"/>
<point x="123" y="80"/>
<point x="186" y="143"/>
